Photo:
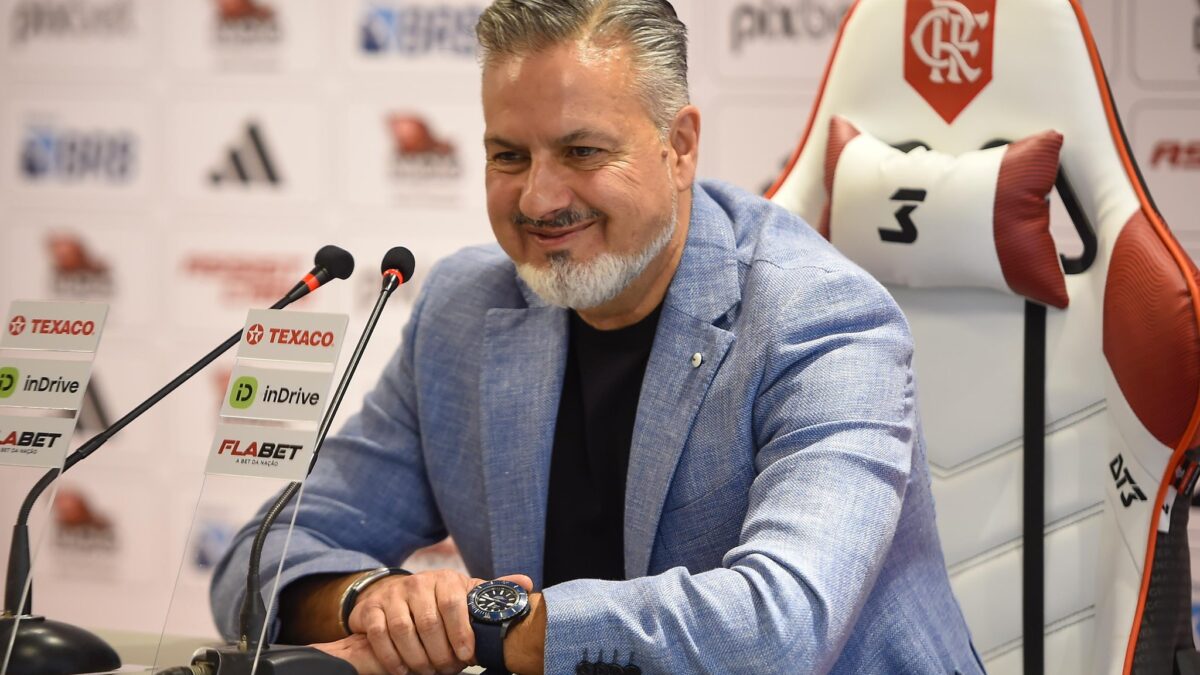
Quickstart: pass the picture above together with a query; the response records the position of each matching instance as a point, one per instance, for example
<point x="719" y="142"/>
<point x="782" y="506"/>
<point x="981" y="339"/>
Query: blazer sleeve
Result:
<point x="835" y="432"/>
<point x="366" y="504"/>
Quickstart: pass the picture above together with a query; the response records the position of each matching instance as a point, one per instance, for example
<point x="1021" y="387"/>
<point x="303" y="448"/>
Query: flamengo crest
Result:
<point x="948" y="51"/>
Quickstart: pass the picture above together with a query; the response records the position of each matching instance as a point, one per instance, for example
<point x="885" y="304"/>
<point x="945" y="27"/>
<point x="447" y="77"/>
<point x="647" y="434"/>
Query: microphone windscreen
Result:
<point x="400" y="259"/>
<point x="336" y="259"/>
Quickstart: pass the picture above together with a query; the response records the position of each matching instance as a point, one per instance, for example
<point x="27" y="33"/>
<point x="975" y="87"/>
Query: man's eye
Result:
<point x="507" y="157"/>
<point x="583" y="152"/>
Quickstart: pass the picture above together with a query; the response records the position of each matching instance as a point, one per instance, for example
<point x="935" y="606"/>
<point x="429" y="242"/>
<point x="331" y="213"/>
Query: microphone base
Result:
<point x="275" y="660"/>
<point x="45" y="647"/>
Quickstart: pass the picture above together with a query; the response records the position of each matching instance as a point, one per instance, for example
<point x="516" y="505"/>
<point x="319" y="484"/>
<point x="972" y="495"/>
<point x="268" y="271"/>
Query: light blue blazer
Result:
<point x="778" y="516"/>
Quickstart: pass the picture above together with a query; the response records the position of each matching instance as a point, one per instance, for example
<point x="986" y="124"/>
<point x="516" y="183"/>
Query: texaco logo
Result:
<point x="17" y="325"/>
<point x="255" y="334"/>
<point x="948" y="51"/>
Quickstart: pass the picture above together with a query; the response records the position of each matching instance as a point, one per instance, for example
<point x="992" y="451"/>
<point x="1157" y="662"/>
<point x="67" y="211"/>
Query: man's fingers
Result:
<point x="452" y="605"/>
<point x="375" y="624"/>
<point x="357" y="651"/>
<point x="431" y="627"/>
<point x="403" y="634"/>
<point x="520" y="580"/>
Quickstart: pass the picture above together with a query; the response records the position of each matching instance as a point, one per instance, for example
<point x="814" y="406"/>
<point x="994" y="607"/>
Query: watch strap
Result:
<point x="350" y="595"/>
<point x="489" y="645"/>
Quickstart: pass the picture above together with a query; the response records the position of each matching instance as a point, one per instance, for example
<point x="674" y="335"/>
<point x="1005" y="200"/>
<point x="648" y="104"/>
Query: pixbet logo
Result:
<point x="16" y="325"/>
<point x="948" y="51"/>
<point x="799" y="20"/>
<point x="9" y="377"/>
<point x="243" y="392"/>
<point x="59" y="19"/>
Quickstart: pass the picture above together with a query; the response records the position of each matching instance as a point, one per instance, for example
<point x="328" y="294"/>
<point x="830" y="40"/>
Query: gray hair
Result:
<point x="655" y="35"/>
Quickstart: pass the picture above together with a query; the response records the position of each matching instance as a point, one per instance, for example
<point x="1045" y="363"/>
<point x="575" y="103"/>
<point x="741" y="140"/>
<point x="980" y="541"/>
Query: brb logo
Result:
<point x="65" y="155"/>
<point x="419" y="30"/>
<point x="243" y="392"/>
<point x="948" y="51"/>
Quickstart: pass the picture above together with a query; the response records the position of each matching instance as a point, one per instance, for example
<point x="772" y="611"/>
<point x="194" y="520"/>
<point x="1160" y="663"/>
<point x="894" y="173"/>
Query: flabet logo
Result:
<point x="948" y="51"/>
<point x="417" y="153"/>
<point x="796" y="21"/>
<point x="16" y="325"/>
<point x="419" y="30"/>
<point x="255" y="334"/>
<point x="240" y="278"/>
<point x="28" y="439"/>
<point x="243" y="392"/>
<point x="9" y="377"/>
<point x="72" y="156"/>
<point x="259" y="449"/>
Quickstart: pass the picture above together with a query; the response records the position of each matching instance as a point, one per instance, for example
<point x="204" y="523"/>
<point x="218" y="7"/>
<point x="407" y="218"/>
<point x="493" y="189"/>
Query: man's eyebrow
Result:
<point x="501" y="141"/>
<point x="567" y="139"/>
<point x="584" y="134"/>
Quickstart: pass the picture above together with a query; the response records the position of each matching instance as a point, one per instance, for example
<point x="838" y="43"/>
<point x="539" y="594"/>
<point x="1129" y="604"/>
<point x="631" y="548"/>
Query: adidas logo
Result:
<point x="247" y="161"/>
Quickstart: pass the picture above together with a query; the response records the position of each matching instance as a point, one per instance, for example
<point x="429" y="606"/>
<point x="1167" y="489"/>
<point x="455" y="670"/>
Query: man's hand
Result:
<point x="357" y="650"/>
<point x="418" y="623"/>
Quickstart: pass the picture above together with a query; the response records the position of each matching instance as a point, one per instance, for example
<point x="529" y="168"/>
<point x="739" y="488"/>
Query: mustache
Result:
<point x="564" y="218"/>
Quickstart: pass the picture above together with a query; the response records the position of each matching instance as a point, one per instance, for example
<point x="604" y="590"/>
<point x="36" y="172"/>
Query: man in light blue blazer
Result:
<point x="774" y="512"/>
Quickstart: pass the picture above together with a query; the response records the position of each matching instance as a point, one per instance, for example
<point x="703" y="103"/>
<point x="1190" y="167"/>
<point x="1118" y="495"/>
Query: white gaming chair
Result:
<point x="1081" y="379"/>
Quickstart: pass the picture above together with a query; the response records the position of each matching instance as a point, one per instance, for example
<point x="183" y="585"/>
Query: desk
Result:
<point x="137" y="650"/>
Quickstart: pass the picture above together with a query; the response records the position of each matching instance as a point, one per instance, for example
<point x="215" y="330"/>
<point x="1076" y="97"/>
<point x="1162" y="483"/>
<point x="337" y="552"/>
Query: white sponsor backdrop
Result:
<point x="183" y="165"/>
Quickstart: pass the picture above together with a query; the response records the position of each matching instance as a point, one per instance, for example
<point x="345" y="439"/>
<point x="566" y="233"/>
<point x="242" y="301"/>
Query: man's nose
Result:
<point x="545" y="192"/>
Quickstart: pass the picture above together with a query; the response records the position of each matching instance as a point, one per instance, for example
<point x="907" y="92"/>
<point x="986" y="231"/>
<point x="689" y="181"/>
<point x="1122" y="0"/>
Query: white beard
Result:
<point x="591" y="283"/>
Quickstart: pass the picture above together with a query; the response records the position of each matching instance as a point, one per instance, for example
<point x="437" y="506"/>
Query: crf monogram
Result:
<point x="949" y="31"/>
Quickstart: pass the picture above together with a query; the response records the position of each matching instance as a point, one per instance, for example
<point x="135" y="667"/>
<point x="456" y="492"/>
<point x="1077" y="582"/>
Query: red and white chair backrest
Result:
<point x="1122" y="382"/>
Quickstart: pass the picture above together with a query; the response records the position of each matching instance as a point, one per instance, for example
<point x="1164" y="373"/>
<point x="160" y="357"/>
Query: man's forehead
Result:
<point x="581" y="61"/>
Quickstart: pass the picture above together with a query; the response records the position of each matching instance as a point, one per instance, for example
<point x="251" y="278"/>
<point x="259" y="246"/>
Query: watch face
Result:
<point x="497" y="601"/>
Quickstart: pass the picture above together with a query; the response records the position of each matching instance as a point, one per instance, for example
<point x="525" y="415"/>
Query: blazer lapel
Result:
<point x="523" y="363"/>
<point x="705" y="288"/>
<point x="668" y="405"/>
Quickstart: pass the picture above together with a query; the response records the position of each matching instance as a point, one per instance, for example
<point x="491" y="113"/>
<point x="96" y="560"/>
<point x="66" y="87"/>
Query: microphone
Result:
<point x="54" y="648"/>
<point x="397" y="268"/>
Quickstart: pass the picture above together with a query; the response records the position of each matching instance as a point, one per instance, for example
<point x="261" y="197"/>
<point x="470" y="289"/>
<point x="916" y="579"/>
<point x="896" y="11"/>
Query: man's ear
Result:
<point x="685" y="146"/>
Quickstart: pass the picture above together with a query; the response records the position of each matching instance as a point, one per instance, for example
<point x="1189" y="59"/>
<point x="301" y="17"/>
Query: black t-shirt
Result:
<point x="585" y="509"/>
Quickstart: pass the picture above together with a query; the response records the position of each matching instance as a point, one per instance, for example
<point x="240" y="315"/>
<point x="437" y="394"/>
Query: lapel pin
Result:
<point x="697" y="359"/>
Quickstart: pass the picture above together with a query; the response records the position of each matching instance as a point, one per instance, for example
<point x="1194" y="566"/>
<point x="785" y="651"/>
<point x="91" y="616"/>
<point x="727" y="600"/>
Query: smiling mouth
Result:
<point x="555" y="234"/>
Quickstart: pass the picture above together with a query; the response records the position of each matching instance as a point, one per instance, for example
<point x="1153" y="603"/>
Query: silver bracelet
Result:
<point x="350" y="595"/>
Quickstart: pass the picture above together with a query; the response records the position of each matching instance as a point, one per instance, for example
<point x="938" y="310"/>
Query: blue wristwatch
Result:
<point x="494" y="606"/>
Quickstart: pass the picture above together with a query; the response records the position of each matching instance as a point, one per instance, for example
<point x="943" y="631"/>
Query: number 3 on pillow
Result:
<point x="929" y="220"/>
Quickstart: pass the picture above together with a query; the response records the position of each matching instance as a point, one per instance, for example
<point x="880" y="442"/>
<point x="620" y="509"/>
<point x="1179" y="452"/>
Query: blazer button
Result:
<point x="697" y="359"/>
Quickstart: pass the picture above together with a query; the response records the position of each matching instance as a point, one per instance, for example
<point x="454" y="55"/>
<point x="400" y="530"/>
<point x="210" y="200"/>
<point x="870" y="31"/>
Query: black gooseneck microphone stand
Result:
<point x="44" y="647"/>
<point x="398" y="265"/>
